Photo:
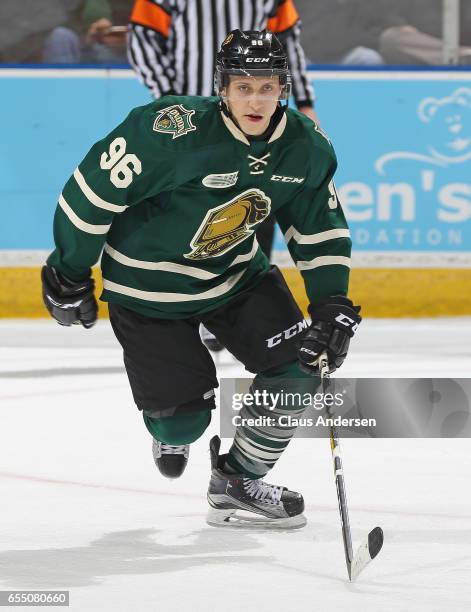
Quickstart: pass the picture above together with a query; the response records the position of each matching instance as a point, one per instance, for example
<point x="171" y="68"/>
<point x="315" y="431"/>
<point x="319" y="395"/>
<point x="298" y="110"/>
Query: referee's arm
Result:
<point x="147" y="45"/>
<point x="286" y="25"/>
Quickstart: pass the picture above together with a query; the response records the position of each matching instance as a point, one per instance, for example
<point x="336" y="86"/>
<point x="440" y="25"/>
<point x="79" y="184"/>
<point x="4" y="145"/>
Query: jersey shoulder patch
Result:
<point x="174" y="120"/>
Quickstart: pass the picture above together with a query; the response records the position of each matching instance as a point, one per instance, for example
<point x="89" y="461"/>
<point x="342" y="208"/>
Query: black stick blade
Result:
<point x="375" y="541"/>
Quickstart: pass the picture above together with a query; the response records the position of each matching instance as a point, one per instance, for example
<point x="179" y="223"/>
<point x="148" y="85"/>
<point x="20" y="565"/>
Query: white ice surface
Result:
<point x="84" y="509"/>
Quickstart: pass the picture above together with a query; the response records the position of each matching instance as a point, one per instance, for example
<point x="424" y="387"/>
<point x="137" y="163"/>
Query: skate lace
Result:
<point x="173" y="449"/>
<point x="263" y="491"/>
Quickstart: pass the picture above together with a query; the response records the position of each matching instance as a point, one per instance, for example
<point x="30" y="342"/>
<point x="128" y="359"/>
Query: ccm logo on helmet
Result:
<point x="295" y="329"/>
<point x="344" y="320"/>
<point x="257" y="60"/>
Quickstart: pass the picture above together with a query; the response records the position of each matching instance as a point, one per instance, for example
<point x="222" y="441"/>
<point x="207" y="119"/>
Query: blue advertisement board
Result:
<point x="49" y="119"/>
<point x="404" y="150"/>
<point x="403" y="142"/>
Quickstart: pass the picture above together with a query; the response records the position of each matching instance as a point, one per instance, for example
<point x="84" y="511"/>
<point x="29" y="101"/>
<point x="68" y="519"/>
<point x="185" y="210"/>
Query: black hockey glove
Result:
<point x="334" y="321"/>
<point x="69" y="302"/>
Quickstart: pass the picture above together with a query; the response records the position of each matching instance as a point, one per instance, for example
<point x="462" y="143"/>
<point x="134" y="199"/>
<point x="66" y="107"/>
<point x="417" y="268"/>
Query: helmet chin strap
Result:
<point x="227" y="111"/>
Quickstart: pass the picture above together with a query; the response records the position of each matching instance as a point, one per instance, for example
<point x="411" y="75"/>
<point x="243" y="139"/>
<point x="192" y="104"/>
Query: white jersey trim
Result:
<point x="325" y="260"/>
<point x="92" y="197"/>
<point x="247" y="256"/>
<point x="315" y="238"/>
<point x="79" y="223"/>
<point x="280" y="128"/>
<point x="169" y="266"/>
<point x="158" y="296"/>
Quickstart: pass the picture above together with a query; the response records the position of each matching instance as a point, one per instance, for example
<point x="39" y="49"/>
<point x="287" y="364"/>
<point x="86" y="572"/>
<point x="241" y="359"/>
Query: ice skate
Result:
<point x="171" y="459"/>
<point x="238" y="501"/>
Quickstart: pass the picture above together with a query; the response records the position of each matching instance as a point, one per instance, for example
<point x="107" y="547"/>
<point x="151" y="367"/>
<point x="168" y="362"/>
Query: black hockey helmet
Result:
<point x="252" y="53"/>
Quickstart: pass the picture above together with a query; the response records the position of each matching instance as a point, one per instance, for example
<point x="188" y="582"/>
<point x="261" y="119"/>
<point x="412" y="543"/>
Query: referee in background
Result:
<point x="172" y="46"/>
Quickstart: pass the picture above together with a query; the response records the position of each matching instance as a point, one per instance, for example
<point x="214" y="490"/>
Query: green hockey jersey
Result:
<point x="173" y="196"/>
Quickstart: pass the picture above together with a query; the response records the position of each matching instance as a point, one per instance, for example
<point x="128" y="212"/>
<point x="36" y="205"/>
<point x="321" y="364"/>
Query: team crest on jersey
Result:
<point x="175" y="120"/>
<point x="220" y="181"/>
<point x="229" y="224"/>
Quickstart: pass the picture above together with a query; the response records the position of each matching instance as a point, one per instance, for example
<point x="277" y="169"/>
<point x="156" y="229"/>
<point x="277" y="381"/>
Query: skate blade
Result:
<point x="236" y="519"/>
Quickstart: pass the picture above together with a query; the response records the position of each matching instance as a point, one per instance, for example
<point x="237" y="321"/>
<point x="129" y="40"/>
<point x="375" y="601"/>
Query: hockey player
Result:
<point x="162" y="33"/>
<point x="172" y="197"/>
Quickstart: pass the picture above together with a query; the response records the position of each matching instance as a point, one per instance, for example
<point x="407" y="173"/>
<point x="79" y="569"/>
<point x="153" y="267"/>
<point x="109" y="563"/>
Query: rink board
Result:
<point x="403" y="140"/>
<point x="403" y="292"/>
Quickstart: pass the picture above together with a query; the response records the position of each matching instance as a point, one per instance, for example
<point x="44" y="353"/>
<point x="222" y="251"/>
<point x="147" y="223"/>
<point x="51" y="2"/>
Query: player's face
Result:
<point x="252" y="101"/>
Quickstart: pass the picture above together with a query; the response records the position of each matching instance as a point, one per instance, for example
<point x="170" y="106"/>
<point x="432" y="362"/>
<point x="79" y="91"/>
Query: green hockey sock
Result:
<point x="256" y="449"/>
<point x="178" y="429"/>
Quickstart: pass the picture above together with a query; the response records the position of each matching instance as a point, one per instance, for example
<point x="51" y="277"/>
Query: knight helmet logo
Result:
<point x="175" y="120"/>
<point x="229" y="224"/>
<point x="228" y="39"/>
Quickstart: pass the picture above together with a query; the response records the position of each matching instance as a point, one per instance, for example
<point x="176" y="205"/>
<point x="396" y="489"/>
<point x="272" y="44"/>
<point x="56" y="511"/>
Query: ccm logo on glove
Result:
<point x="344" y="320"/>
<point x="334" y="321"/>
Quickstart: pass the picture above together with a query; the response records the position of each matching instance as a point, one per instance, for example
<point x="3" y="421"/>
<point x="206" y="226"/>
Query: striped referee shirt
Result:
<point x="172" y="44"/>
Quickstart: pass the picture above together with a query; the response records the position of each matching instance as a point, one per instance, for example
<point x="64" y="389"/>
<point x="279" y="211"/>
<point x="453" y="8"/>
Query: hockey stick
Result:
<point x="374" y="542"/>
